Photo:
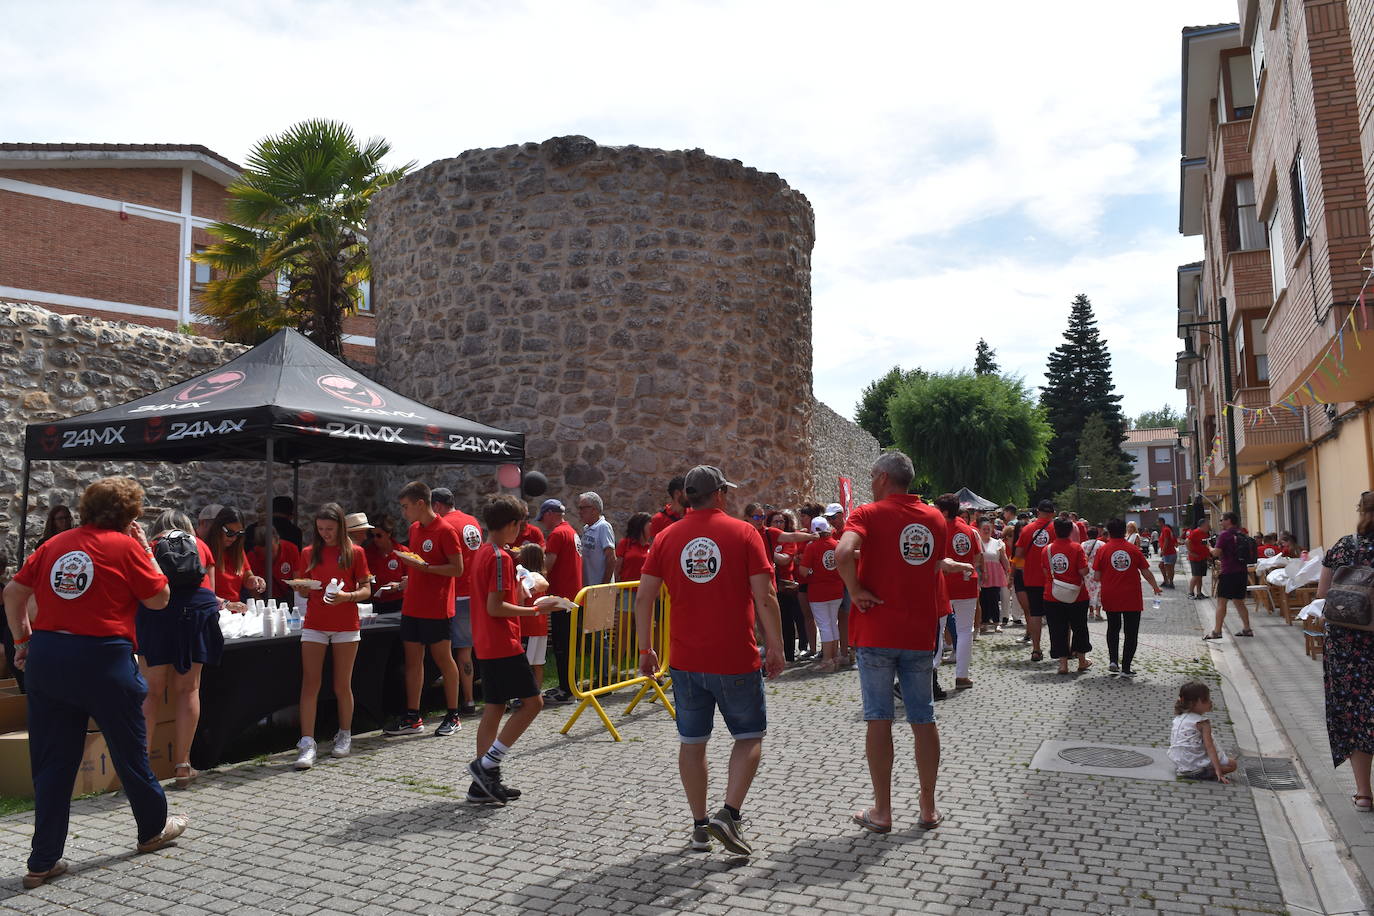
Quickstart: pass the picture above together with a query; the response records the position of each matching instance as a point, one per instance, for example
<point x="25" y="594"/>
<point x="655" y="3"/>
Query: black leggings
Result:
<point x="1068" y="628"/>
<point x="990" y="599"/>
<point x="1114" y="621"/>
<point x="793" y="624"/>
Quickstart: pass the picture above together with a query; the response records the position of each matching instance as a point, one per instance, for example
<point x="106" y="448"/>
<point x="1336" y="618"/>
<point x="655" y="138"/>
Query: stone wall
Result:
<point x="54" y="366"/>
<point x="634" y="311"/>
<point x="840" y="448"/>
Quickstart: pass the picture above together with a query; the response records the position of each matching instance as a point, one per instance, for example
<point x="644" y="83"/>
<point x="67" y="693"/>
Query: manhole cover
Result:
<point x="1276" y="773"/>
<point x="1105" y="757"/>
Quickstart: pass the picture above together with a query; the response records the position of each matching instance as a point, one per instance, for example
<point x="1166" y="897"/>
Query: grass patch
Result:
<point x="10" y="804"/>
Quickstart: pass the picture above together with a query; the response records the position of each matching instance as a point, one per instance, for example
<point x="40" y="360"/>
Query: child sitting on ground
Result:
<point x="1191" y="747"/>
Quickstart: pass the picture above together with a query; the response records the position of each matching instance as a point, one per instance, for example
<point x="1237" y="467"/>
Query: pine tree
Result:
<point x="1097" y="476"/>
<point x="871" y="411"/>
<point x="985" y="362"/>
<point x="1078" y="384"/>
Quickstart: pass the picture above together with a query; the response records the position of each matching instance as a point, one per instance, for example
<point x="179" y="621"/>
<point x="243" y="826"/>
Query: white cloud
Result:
<point x="904" y="123"/>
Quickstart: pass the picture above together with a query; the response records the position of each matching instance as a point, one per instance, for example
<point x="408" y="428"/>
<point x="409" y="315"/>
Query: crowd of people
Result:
<point x="104" y="611"/>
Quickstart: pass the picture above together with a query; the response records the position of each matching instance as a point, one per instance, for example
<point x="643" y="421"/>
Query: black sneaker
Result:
<point x="477" y="797"/>
<point x="512" y="793"/>
<point x="938" y="692"/>
<point x="701" y="839"/>
<point x="557" y="696"/>
<point x="405" y="725"/>
<point x="448" y="726"/>
<point x="467" y="710"/>
<point x="727" y="829"/>
<point x="487" y="782"/>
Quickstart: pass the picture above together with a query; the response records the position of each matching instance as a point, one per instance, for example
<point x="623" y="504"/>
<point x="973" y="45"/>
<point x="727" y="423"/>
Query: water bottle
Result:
<point x="1155" y="602"/>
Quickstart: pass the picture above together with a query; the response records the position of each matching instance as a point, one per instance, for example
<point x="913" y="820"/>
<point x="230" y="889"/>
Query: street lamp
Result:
<point x="1189" y="355"/>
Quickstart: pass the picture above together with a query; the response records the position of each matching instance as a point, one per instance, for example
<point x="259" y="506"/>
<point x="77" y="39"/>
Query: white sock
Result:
<point x="493" y="757"/>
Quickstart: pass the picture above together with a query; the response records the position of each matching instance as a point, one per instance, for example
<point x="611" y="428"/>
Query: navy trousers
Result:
<point x="68" y="679"/>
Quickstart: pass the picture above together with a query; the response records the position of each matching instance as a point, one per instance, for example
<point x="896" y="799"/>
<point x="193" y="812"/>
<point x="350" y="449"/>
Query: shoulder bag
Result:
<point x="1350" y="599"/>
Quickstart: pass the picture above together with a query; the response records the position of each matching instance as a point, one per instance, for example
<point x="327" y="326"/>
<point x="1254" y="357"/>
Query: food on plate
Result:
<point x="311" y="584"/>
<point x="409" y="555"/>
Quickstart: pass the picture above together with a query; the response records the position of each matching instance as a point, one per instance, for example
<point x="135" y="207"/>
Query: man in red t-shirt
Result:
<point x="435" y="562"/>
<point x="891" y="557"/>
<point x="469" y="540"/>
<point x="1030" y="548"/>
<point x="674" y="511"/>
<point x="1119" y="566"/>
<point x="563" y="569"/>
<point x="506" y="674"/>
<point x="77" y="656"/>
<point x="1168" y="554"/>
<point x="1199" y="554"/>
<point x="720" y="579"/>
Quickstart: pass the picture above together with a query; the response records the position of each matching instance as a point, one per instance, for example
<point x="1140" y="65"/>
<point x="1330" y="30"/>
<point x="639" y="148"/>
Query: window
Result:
<point x="1164" y="488"/>
<point x="365" y="300"/>
<point x="1257" y="54"/>
<point x="1278" y="264"/>
<point x="1260" y="348"/>
<point x="200" y="273"/>
<point x="1163" y="455"/>
<point x="1297" y="186"/>
<point x="1243" y="229"/>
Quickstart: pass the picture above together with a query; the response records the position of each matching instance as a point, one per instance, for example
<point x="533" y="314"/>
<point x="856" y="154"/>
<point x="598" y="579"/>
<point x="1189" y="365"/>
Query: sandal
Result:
<point x="865" y="820"/>
<point x="1365" y="808"/>
<point x="932" y="824"/>
<point x="1246" y="633"/>
<point x="184" y="780"/>
<point x="1212" y="636"/>
<point x="1037" y="656"/>
<point x="1085" y="666"/>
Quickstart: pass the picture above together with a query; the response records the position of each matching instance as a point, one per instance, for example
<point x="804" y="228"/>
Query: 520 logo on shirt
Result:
<point x="72" y="574"/>
<point x="1042" y="538"/>
<point x="1059" y="564"/>
<point x="472" y="537"/>
<point x="916" y="544"/>
<point x="700" y="560"/>
<point x="1121" y="560"/>
<point x="828" y="560"/>
<point x="961" y="544"/>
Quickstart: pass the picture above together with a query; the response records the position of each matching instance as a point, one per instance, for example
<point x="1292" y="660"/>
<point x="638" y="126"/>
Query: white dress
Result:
<point x="1186" y="749"/>
<point x="1090" y="549"/>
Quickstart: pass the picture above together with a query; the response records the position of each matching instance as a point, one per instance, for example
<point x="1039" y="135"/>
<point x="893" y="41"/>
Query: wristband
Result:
<point x="646" y="651"/>
<point x="22" y="642"/>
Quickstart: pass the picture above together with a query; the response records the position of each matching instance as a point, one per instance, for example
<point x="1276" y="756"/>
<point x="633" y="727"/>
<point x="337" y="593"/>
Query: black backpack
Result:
<point x="1247" y="551"/>
<point x="178" y="556"/>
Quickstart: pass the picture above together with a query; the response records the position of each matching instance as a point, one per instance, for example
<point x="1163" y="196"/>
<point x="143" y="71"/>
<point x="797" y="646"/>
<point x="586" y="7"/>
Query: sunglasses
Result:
<point x="233" y="534"/>
<point x="757" y="518"/>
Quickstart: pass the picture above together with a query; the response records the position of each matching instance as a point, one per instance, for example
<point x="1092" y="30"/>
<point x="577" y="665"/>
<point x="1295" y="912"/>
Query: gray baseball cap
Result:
<point x="705" y="479"/>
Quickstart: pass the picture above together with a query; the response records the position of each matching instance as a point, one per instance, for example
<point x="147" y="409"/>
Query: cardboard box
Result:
<point x="163" y="712"/>
<point x="14" y="709"/>
<point x="96" y="773"/>
<point x="161" y="753"/>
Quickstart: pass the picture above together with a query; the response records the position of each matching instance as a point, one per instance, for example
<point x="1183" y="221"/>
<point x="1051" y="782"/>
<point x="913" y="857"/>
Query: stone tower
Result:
<point x="634" y="311"/>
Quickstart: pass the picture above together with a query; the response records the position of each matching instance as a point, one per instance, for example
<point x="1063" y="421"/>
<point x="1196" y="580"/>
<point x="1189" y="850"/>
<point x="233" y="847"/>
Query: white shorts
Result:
<point x="826" y="615"/>
<point x="536" y="649"/>
<point x="325" y="637"/>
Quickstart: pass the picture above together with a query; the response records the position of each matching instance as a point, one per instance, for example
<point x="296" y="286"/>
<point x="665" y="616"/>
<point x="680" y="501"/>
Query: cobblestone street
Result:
<point x="603" y="826"/>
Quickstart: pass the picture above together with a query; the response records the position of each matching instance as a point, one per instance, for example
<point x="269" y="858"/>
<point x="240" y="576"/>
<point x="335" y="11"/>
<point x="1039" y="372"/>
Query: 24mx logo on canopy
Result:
<point x="85" y="438"/>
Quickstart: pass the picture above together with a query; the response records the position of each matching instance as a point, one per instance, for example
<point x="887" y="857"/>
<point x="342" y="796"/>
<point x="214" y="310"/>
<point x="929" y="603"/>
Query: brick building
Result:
<point x="1276" y="182"/>
<point x="1163" y="475"/>
<point x="107" y="230"/>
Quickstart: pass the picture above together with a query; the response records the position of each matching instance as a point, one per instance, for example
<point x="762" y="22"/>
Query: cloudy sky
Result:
<point x="972" y="166"/>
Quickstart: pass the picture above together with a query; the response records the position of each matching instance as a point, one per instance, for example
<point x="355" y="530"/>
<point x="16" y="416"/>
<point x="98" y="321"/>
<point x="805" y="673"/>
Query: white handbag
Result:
<point x="1064" y="592"/>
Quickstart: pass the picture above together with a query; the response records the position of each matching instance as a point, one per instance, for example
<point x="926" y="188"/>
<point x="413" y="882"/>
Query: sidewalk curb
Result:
<point x="1316" y="869"/>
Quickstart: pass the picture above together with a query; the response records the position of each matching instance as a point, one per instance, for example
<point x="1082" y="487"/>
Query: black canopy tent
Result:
<point x="971" y="500"/>
<point x="286" y="400"/>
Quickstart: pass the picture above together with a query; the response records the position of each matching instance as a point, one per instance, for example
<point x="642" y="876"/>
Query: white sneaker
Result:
<point x="343" y="743"/>
<point x="307" y="758"/>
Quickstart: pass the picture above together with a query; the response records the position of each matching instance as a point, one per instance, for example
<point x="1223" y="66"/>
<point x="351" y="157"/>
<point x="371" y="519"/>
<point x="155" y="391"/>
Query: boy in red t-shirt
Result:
<point x="1168" y="554"/>
<point x="1120" y="566"/>
<point x="506" y="675"/>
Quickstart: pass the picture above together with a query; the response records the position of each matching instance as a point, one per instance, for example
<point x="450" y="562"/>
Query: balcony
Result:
<point x="1247" y="283"/>
<point x="1274" y="438"/>
<point x="1233" y="147"/>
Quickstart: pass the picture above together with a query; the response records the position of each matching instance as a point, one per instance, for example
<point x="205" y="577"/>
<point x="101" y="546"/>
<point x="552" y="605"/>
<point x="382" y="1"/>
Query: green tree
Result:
<point x="1098" y="475"/>
<point x="985" y="360"/>
<point x="984" y="432"/>
<point x="292" y="252"/>
<point x="1078" y="384"/>
<point x="871" y="411"/>
<point x="1158" y="419"/>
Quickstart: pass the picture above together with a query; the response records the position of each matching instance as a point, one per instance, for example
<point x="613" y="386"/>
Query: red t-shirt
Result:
<point x="207" y="560"/>
<point x="1198" y="551"/>
<point x="1268" y="550"/>
<point x="286" y="557"/>
<point x="963" y="547"/>
<point x="386" y="567"/>
<point x="825" y="583"/>
<point x="536" y="625"/>
<point x="228" y="582"/>
<point x="530" y="534"/>
<point x="469" y="540"/>
<point x="493" y="570"/>
<point x="1035" y="537"/>
<point x="904" y="541"/>
<point x="1082" y="528"/>
<point x="333" y="618"/>
<point x="428" y="595"/>
<point x="1118" y="563"/>
<point x="663" y="518"/>
<point x="565" y="577"/>
<point x="1168" y="541"/>
<point x="89" y="581"/>
<point x="706" y="561"/>
<point x="1066" y="560"/>
<point x="631" y="553"/>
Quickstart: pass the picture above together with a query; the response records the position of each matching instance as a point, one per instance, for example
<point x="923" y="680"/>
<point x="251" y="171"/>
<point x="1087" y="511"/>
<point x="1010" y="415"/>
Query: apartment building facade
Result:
<point x="108" y="229"/>
<point x="1276" y="178"/>
<point x="1163" y="482"/>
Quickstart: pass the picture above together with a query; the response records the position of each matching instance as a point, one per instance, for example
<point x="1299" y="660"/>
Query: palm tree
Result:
<point x="292" y="252"/>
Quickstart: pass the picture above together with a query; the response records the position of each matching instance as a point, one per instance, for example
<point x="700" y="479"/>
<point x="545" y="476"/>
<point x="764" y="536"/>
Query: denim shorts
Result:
<point x="879" y="668"/>
<point x="739" y="696"/>
<point x="1168" y="559"/>
<point x="460" y="626"/>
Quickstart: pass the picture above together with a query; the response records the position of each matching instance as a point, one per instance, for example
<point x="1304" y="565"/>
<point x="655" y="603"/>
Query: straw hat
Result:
<point x="356" y="521"/>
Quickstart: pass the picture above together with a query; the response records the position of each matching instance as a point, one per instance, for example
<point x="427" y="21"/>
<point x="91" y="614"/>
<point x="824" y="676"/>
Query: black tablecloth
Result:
<point x="260" y="675"/>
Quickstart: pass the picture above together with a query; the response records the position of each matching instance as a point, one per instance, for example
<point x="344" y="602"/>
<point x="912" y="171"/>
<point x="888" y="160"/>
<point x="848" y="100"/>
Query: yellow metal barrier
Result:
<point x="603" y="650"/>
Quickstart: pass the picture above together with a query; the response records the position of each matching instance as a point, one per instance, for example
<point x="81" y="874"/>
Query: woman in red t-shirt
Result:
<point x="388" y="573"/>
<point x="633" y="548"/>
<point x="234" y="578"/>
<point x="1065" y="562"/>
<point x="285" y="557"/>
<point x="825" y="590"/>
<point x="331" y="618"/>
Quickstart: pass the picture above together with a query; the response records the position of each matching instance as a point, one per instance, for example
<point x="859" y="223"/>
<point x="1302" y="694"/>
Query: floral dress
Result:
<point x="1348" y="666"/>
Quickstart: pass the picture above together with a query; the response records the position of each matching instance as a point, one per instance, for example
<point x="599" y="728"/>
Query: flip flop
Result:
<point x="1364" y="809"/>
<point x="931" y="825"/>
<point x="1246" y="633"/>
<point x="867" y="823"/>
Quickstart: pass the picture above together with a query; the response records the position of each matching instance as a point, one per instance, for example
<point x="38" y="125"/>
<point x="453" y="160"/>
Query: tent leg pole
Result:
<point x="23" y="516"/>
<point x="268" y="524"/>
<point x="296" y="487"/>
